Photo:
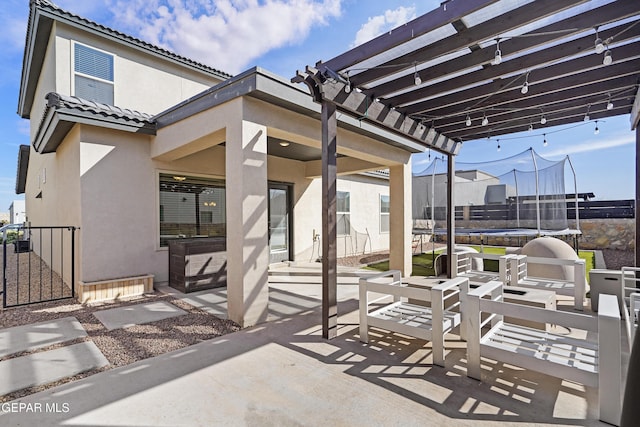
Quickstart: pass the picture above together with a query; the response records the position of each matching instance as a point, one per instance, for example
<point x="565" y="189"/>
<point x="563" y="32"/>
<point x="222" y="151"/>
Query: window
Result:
<point x="384" y="213"/>
<point x="191" y="207"/>
<point x="93" y="78"/>
<point x="343" y="213"/>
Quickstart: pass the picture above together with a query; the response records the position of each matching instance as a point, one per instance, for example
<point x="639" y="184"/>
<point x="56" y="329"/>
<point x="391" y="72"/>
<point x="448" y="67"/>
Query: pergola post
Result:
<point x="329" y="222"/>
<point x="451" y="214"/>
<point x="637" y="239"/>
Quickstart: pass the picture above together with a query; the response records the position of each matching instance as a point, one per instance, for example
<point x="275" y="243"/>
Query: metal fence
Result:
<point x="38" y="265"/>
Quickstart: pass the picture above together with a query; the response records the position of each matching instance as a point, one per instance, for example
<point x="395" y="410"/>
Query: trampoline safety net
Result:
<point x="522" y="191"/>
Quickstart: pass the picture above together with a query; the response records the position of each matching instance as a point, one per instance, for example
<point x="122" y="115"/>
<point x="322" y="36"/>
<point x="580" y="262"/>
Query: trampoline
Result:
<point x="484" y="234"/>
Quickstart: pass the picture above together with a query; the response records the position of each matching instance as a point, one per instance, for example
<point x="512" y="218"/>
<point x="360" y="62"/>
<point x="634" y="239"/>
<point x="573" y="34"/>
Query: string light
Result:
<point x="498" y="56"/>
<point x="499" y="145"/>
<point x="598" y="43"/>
<point x="485" y="119"/>
<point x="530" y="127"/>
<point x="545" y="143"/>
<point x="607" y="60"/>
<point x="543" y="120"/>
<point x="525" y="85"/>
<point x="596" y="130"/>
<point x="347" y="87"/>
<point x="416" y="78"/>
<point x="468" y="121"/>
<point x="586" y="115"/>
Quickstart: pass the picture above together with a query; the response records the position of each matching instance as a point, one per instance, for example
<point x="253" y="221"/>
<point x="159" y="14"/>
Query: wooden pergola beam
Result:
<point x="534" y="39"/>
<point x="449" y="11"/>
<point x="541" y="84"/>
<point x="359" y="105"/>
<point x="468" y="37"/>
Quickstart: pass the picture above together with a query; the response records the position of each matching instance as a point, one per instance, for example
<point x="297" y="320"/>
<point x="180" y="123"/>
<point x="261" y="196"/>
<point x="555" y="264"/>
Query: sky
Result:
<point x="283" y="36"/>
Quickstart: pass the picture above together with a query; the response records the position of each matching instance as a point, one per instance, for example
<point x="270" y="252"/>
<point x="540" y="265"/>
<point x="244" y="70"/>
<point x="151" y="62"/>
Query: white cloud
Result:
<point x="592" y="145"/>
<point x="225" y="34"/>
<point x="379" y="24"/>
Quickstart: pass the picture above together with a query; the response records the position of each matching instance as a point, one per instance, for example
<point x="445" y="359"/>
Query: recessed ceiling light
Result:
<point x="284" y="143"/>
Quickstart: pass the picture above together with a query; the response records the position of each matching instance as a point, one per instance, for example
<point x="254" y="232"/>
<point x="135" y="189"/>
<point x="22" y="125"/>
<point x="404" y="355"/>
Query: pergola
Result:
<point x="477" y="69"/>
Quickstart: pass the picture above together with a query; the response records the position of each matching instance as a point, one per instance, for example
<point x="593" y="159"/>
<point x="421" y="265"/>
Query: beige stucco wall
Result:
<point x="55" y="178"/>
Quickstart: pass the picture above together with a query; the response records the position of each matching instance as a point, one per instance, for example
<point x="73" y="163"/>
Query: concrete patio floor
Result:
<point x="283" y="373"/>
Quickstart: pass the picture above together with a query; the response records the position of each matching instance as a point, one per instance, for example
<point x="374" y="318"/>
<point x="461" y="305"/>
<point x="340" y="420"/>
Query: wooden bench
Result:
<point x="591" y="363"/>
<point x="412" y="319"/>
<point x="517" y="276"/>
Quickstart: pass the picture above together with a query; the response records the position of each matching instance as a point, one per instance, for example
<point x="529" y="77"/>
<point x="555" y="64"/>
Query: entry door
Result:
<point x="279" y="222"/>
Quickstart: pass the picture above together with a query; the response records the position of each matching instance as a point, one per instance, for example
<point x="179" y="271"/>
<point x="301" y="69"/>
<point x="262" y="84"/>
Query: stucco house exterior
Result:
<point x="136" y="146"/>
<point x="17" y="212"/>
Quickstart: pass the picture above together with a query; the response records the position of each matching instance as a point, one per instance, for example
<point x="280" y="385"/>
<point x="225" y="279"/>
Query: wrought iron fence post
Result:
<point x="73" y="262"/>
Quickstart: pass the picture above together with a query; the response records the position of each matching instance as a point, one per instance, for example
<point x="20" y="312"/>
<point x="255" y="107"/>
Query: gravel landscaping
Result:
<point x="120" y="346"/>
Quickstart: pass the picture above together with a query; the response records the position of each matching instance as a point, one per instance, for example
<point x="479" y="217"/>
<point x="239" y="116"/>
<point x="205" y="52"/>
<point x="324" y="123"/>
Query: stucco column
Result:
<point x="247" y="226"/>
<point x="400" y="218"/>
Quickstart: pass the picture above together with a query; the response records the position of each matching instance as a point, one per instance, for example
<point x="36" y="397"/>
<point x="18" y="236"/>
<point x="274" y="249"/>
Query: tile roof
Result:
<point x="58" y="101"/>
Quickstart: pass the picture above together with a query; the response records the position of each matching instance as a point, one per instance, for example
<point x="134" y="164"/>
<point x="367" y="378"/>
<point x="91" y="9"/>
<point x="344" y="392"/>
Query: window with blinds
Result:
<point x="191" y="207"/>
<point x="93" y="74"/>
<point x="384" y="213"/>
<point x="343" y="213"/>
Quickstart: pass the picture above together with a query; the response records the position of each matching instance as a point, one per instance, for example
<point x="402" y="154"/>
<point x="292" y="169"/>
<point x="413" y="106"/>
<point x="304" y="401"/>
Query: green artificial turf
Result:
<point x="423" y="263"/>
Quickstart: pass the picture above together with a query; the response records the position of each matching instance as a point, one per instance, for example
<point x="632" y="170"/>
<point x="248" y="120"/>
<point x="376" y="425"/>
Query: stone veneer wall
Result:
<point x="607" y="233"/>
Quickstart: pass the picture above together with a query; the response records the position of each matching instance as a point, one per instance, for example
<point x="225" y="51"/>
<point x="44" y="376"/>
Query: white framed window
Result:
<point x="93" y="74"/>
<point x="384" y="213"/>
<point x="343" y="213"/>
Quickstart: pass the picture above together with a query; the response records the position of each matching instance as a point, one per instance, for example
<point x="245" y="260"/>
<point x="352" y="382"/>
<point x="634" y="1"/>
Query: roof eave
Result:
<point x="57" y="123"/>
<point x="38" y="29"/>
<point x="266" y="86"/>
<point x="23" y="166"/>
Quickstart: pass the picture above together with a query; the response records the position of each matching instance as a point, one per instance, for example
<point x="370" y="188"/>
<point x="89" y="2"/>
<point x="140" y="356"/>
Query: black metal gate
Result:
<point x="38" y="264"/>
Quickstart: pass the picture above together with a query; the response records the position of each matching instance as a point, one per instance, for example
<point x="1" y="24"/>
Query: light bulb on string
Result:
<point x="607" y="60"/>
<point x="596" y="131"/>
<point x="347" y="87"/>
<point x="545" y="143"/>
<point x="609" y="103"/>
<point x="468" y="121"/>
<point x="599" y="45"/>
<point x="499" y="148"/>
<point x="497" y="59"/>
<point x="416" y="78"/>
<point x="525" y="86"/>
<point x="530" y="127"/>
<point x="485" y="120"/>
<point x="543" y="120"/>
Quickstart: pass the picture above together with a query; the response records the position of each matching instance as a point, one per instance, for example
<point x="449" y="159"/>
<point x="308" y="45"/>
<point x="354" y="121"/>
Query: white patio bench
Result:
<point x="591" y="363"/>
<point x="409" y="318"/>
<point x="517" y="276"/>
<point x="631" y="297"/>
<point x="464" y="263"/>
